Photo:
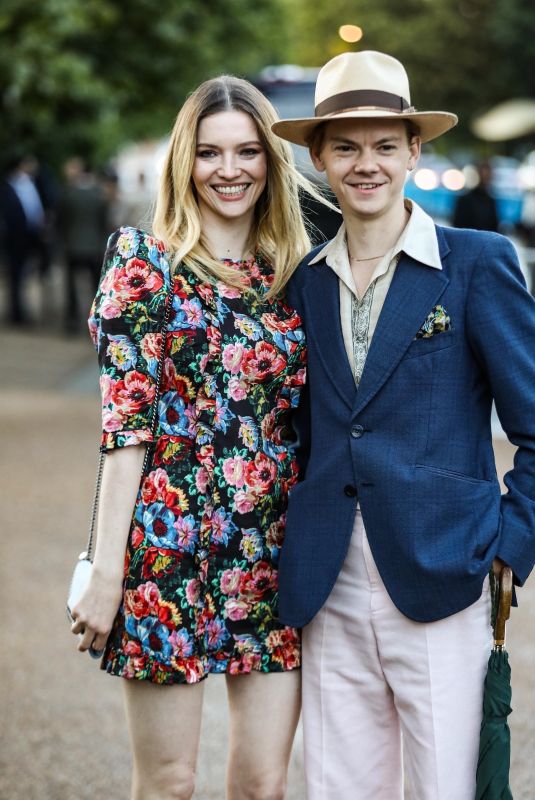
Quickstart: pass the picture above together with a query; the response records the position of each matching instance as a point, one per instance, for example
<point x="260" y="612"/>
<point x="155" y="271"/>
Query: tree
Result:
<point x="461" y="55"/>
<point x="84" y="75"/>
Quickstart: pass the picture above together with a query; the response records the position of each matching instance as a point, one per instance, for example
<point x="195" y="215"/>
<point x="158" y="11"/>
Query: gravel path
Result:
<point x="63" y="736"/>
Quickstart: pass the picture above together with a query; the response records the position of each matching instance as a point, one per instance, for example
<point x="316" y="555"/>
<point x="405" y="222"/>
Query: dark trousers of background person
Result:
<point x="16" y="261"/>
<point x="74" y="266"/>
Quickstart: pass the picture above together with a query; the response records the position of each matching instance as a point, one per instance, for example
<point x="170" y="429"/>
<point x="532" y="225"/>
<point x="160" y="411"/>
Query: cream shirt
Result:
<point x="359" y="315"/>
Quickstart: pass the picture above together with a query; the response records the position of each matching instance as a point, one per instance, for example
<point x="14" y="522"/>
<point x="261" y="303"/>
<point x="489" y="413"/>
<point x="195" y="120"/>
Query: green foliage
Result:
<point x="461" y="55"/>
<point x="84" y="75"/>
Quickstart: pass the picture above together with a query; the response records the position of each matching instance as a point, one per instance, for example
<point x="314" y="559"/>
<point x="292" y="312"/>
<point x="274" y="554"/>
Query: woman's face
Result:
<point x="230" y="168"/>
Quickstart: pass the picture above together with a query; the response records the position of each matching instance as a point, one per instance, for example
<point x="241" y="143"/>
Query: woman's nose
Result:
<point x="229" y="168"/>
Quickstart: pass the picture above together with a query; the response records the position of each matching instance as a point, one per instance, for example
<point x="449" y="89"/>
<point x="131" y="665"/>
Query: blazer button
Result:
<point x="357" y="431"/>
<point x="350" y="491"/>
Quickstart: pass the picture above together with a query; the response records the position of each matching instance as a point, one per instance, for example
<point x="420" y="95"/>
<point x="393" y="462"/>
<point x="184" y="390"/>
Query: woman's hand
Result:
<point x="95" y="611"/>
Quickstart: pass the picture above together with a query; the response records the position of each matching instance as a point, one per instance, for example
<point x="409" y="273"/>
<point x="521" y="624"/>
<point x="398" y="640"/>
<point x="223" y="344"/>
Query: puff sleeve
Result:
<point x="125" y="324"/>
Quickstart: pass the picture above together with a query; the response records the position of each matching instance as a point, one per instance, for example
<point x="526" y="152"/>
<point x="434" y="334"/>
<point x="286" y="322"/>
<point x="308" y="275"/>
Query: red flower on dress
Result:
<point x="152" y="242"/>
<point x="284" y="646"/>
<point x="260" y="474"/>
<point x="136" y="279"/>
<point x="260" y="580"/>
<point x="136" y="537"/>
<point x="158" y="562"/>
<point x="263" y="361"/>
<point x="133" y="393"/>
<point x="245" y="663"/>
<point x="274" y="323"/>
<point x="275" y="533"/>
<point x="135" y="604"/>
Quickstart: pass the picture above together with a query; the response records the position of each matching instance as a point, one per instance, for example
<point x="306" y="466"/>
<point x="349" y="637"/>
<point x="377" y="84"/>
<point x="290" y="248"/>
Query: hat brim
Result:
<point x="431" y="124"/>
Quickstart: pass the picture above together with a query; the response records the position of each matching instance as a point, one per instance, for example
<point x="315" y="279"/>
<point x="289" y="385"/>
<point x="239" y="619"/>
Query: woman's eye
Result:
<point x="205" y="153"/>
<point x="250" y="152"/>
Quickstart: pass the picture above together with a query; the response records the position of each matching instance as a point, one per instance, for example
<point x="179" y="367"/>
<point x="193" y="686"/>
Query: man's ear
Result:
<point x="415" y="147"/>
<point x="317" y="160"/>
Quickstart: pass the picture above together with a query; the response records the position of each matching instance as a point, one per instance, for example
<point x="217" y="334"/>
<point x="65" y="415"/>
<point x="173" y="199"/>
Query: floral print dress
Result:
<point x="200" y="586"/>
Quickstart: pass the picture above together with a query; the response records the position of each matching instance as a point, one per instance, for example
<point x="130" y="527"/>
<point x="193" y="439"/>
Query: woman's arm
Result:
<point x="95" y="611"/>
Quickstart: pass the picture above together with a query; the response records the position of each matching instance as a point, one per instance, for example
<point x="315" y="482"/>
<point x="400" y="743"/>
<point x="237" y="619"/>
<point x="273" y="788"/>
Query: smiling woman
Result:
<point x="185" y="576"/>
<point x="229" y="177"/>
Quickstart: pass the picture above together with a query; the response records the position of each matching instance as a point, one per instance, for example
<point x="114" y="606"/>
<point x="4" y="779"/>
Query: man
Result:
<point x="412" y="331"/>
<point x="477" y="208"/>
<point x="22" y="229"/>
<point x="83" y="225"/>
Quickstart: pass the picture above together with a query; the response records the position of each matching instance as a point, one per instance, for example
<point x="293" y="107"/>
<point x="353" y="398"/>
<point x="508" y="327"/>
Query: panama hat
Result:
<point x="364" y="85"/>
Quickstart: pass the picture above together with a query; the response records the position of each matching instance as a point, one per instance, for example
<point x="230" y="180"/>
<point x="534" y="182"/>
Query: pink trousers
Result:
<point x="373" y="679"/>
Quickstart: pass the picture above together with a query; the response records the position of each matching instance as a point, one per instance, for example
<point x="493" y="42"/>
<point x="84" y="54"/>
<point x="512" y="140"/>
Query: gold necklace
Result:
<point x="371" y="258"/>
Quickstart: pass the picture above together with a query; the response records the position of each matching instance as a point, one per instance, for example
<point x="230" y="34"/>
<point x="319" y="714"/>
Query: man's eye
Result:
<point x="343" y="148"/>
<point x="386" y="148"/>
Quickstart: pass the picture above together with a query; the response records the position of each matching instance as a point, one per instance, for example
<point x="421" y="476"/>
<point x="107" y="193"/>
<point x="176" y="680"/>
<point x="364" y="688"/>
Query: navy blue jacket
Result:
<point x="413" y="444"/>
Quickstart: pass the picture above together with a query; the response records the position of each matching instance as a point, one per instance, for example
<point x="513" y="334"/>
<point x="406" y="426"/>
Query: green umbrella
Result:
<point x="492" y="777"/>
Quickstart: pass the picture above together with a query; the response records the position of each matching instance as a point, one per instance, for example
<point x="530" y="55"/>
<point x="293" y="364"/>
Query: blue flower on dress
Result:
<point x="187" y="533"/>
<point x="182" y="643"/>
<point x="154" y="636"/>
<point x="251" y="544"/>
<point x="253" y="330"/>
<point x="188" y="314"/>
<point x="288" y="341"/>
<point x="222" y="414"/>
<point x="248" y="433"/>
<point x="159" y="524"/>
<point x="222" y="526"/>
<point x="127" y="242"/>
<point x="221" y="309"/>
<point x="215" y="633"/>
<point x="172" y="415"/>
<point x="121" y="351"/>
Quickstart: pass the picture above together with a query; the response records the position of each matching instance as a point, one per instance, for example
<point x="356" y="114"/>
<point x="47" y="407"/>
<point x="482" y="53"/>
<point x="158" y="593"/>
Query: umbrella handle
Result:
<point x="505" y="598"/>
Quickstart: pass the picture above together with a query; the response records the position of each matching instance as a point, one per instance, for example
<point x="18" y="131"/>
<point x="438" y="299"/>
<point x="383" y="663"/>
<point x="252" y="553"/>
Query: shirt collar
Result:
<point x="418" y="240"/>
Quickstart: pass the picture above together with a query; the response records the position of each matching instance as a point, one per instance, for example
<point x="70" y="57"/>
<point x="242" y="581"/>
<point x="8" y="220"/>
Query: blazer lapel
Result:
<point x="322" y="301"/>
<point x="415" y="289"/>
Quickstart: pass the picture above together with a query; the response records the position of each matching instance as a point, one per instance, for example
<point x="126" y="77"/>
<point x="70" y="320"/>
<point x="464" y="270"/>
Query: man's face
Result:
<point x="366" y="163"/>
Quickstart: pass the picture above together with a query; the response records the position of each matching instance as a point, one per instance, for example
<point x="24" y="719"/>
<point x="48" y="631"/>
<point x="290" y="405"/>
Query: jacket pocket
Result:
<point x="432" y="344"/>
<point x="448" y="473"/>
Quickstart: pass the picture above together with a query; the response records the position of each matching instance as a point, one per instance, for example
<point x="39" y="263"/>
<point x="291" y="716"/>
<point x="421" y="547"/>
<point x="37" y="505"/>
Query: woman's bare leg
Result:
<point x="165" y="725"/>
<point x="264" y="711"/>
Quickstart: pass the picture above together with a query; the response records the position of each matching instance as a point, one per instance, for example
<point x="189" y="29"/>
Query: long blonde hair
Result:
<point x="278" y="233"/>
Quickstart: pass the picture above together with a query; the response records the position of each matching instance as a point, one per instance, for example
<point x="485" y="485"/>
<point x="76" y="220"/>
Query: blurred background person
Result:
<point x="477" y="208"/>
<point x="22" y="230"/>
<point x="83" y="228"/>
<point x="526" y="232"/>
<point x="136" y="204"/>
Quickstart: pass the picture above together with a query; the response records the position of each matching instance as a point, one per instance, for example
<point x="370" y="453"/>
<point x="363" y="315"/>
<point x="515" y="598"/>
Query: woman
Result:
<point x="198" y="590"/>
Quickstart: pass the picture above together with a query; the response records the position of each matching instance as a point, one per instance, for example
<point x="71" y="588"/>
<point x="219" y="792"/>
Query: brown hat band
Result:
<point x="384" y="101"/>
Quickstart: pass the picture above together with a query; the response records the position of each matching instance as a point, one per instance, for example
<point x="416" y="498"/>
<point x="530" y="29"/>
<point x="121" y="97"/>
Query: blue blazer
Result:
<point x="413" y="444"/>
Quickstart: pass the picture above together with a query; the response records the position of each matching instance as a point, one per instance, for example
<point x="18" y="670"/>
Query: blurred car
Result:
<point x="437" y="182"/>
<point x="435" y="185"/>
<point x="506" y="186"/>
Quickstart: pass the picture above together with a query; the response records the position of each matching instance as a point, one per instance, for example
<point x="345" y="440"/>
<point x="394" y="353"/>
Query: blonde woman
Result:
<point x="197" y="592"/>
